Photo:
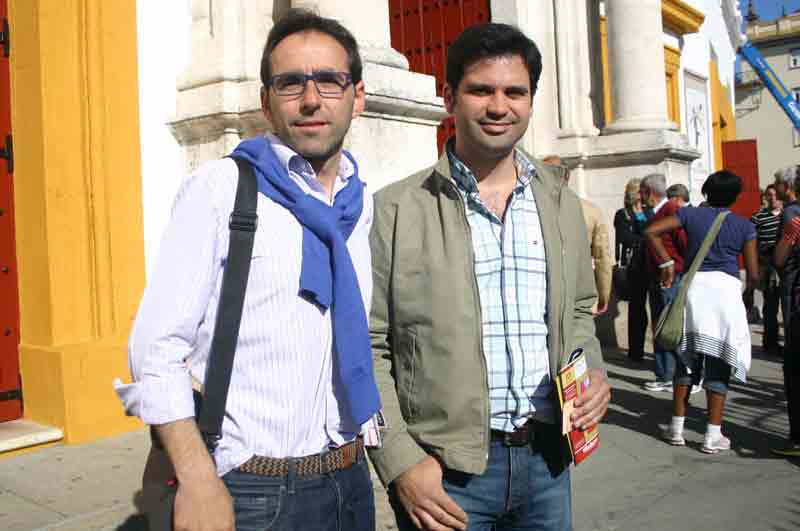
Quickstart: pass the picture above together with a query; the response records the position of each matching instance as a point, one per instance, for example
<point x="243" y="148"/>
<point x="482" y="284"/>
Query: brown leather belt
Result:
<point x="336" y="459"/>
<point x="522" y="436"/>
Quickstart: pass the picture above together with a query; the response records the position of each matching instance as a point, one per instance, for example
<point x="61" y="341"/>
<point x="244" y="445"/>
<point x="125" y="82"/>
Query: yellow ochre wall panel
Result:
<point x="78" y="207"/>
<point x="672" y="67"/>
<point x="608" y="111"/>
<point x="716" y="94"/>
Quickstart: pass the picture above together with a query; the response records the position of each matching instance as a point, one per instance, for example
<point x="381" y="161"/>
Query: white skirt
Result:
<point x="716" y="321"/>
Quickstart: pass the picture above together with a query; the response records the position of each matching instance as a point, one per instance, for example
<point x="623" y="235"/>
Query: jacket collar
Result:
<point x="547" y="174"/>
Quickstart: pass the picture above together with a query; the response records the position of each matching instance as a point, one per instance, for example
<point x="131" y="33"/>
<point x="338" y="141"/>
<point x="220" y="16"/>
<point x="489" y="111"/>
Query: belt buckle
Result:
<point x="326" y="464"/>
<point x="522" y="436"/>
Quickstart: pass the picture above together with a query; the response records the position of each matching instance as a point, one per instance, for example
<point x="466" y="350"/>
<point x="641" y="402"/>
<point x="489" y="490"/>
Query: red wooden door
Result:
<point x="423" y="29"/>
<point x="741" y="157"/>
<point x="10" y="393"/>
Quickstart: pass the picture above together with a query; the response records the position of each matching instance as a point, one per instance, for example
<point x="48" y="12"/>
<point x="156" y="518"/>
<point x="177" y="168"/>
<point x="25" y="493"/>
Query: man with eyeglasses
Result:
<point x="302" y="390"/>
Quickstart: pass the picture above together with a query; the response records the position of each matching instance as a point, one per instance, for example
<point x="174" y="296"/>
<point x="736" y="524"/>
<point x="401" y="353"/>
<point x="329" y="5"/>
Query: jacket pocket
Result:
<point x="406" y="374"/>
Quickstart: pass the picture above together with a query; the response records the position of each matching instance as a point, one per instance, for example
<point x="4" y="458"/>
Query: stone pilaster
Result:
<point x="218" y="97"/>
<point x="218" y="94"/>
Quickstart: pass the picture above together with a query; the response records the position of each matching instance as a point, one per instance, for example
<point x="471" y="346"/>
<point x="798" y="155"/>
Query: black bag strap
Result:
<point x="242" y="224"/>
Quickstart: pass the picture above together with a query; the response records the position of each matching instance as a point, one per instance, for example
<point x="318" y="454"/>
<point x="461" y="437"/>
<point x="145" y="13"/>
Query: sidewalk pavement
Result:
<point x="634" y="482"/>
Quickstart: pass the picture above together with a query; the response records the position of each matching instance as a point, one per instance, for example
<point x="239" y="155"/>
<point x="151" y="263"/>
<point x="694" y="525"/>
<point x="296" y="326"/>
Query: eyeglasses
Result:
<point x="330" y="84"/>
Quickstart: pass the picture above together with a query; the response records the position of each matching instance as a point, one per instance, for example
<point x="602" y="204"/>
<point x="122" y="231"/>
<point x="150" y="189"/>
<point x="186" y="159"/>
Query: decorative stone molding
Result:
<point x="681" y="18"/>
<point x="733" y="21"/>
<point x="402" y="94"/>
<point x="636" y="148"/>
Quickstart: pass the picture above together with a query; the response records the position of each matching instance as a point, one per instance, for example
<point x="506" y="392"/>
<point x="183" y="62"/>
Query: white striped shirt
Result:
<point x="282" y="401"/>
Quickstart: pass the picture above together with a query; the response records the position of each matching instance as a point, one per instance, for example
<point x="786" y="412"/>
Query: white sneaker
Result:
<point x="658" y="386"/>
<point x="673" y="437"/>
<point x="713" y="446"/>
<point x="696" y="389"/>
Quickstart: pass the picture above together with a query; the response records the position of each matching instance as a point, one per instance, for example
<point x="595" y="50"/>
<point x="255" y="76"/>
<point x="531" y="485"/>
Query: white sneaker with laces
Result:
<point x="674" y="438"/>
<point x="713" y="446"/>
<point x="658" y="386"/>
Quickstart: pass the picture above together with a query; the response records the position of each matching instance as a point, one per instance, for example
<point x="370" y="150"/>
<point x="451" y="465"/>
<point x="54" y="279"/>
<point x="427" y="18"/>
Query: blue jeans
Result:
<point x="659" y="298"/>
<point x="787" y="282"/>
<point x="339" y="501"/>
<point x="522" y="489"/>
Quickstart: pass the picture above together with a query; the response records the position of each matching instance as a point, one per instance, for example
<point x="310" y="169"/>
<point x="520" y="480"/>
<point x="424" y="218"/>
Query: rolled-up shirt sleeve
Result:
<point x="174" y="304"/>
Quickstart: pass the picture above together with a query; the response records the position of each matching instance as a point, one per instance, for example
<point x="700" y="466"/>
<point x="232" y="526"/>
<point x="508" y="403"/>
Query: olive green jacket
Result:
<point x="425" y="322"/>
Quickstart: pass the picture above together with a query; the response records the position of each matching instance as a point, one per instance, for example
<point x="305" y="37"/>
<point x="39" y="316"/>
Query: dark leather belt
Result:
<point x="522" y="436"/>
<point x="336" y="459"/>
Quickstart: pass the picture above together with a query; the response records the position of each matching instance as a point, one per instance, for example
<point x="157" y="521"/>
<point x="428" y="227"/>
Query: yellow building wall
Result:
<point x="723" y="121"/>
<point x="78" y="207"/>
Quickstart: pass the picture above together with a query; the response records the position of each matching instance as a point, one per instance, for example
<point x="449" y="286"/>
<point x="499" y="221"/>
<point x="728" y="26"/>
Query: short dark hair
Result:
<point x="301" y="20"/>
<point x="491" y="40"/>
<point x="678" y="190"/>
<point x="770" y="186"/>
<point x="722" y="188"/>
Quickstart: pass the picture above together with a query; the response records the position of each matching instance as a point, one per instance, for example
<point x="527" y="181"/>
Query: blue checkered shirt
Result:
<point x="511" y="272"/>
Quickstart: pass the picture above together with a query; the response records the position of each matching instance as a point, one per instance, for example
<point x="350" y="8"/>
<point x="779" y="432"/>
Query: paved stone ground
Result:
<point x="634" y="482"/>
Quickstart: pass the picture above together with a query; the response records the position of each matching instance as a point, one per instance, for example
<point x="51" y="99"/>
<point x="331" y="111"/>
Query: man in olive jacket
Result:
<point x="483" y="288"/>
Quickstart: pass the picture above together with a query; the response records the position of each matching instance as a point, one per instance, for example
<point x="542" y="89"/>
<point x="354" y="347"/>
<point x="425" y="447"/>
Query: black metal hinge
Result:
<point x="7" y="152"/>
<point x="14" y="394"/>
<point x="5" y="38"/>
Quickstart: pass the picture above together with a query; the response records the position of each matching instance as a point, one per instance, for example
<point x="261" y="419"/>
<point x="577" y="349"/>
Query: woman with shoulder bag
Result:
<point x="715" y="344"/>
<point x="630" y="277"/>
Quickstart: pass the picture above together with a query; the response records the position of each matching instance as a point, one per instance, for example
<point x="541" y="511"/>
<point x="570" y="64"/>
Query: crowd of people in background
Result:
<point x="658" y="235"/>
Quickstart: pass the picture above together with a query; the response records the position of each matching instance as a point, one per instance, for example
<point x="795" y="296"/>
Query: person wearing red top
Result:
<point x="675" y="241"/>
<point x="653" y="190"/>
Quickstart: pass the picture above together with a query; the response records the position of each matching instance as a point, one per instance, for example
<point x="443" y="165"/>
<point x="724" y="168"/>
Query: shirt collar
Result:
<point x="301" y="171"/>
<point x="659" y="205"/>
<point x="466" y="181"/>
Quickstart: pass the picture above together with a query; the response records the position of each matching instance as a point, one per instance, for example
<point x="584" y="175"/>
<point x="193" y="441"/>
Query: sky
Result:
<point x="769" y="9"/>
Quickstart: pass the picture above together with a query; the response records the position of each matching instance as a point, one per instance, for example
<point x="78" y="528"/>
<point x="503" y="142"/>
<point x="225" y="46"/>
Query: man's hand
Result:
<point x="592" y="404"/>
<point x="203" y="506"/>
<point x="420" y="491"/>
<point x="202" y="502"/>
<point x="747" y="298"/>
<point x="667" y="276"/>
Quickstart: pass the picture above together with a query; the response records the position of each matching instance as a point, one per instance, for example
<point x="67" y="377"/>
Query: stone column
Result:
<point x="574" y="73"/>
<point x="636" y="57"/>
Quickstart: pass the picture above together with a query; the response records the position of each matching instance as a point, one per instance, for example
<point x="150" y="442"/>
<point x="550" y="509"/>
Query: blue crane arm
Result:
<point x="771" y="81"/>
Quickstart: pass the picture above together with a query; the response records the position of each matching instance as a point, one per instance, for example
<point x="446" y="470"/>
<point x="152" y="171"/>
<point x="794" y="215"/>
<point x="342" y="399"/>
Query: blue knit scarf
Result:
<point x="327" y="276"/>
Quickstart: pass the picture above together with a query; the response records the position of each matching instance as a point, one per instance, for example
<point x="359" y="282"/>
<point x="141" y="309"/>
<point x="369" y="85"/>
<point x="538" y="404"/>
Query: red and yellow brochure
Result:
<point x="572" y="380"/>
